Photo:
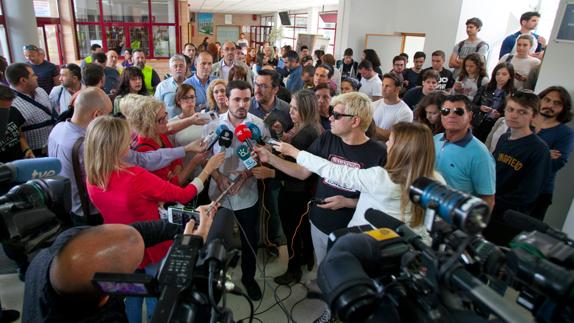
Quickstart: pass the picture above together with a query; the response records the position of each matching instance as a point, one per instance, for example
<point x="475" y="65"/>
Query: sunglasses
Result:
<point x="458" y="111"/>
<point x="337" y="115"/>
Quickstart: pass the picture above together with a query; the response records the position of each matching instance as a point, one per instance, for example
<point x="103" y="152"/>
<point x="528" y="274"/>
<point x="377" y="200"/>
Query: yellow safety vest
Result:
<point x="88" y="59"/>
<point x="148" y="74"/>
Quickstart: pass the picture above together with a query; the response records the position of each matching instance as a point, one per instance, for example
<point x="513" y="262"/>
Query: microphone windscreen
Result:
<point x="255" y="132"/>
<point x="242" y="133"/>
<point x="380" y="219"/>
<point x="523" y="222"/>
<point x="27" y="169"/>
<point x="225" y="138"/>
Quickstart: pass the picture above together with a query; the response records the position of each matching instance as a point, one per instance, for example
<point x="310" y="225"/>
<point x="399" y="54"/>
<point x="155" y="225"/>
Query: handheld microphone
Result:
<point x="244" y="135"/>
<point x="23" y="170"/>
<point x="213" y="136"/>
<point x="225" y="139"/>
<point x="255" y="133"/>
<point x="244" y="154"/>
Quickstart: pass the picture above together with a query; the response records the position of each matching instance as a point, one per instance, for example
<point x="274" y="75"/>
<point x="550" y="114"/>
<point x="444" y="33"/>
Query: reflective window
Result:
<point x="163" y="11"/>
<point x="139" y="39"/>
<point x="4" y="51"/>
<point x="125" y="11"/>
<point x="164" y="41"/>
<point x="46" y="8"/>
<point x="87" y="36"/>
<point x="87" y="10"/>
<point x="116" y="38"/>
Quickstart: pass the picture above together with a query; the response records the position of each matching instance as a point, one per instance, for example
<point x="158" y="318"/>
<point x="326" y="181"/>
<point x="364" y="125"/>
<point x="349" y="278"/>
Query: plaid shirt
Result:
<point x="36" y="138"/>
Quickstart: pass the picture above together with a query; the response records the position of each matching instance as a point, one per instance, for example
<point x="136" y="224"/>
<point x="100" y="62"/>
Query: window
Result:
<point x="150" y="25"/>
<point x="328" y="28"/>
<point x="46" y="8"/>
<point x="290" y="33"/>
<point x="267" y="21"/>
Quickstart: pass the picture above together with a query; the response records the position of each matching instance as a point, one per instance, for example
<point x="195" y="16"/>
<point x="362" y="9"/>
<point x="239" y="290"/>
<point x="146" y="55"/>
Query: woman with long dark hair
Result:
<point x="472" y="76"/>
<point x="488" y="103"/>
<point x="428" y="111"/>
<point x="371" y="56"/>
<point x="132" y="82"/>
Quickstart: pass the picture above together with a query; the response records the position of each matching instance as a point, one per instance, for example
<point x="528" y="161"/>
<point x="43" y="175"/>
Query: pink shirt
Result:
<point x="133" y="195"/>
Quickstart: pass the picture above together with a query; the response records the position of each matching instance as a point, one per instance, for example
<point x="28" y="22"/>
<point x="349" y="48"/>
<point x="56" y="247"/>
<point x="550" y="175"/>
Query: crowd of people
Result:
<point x="349" y="137"/>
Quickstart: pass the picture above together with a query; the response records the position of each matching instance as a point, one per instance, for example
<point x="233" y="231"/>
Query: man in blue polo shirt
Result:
<point x="201" y="79"/>
<point x="464" y="161"/>
<point x="295" y="80"/>
<point x="166" y="90"/>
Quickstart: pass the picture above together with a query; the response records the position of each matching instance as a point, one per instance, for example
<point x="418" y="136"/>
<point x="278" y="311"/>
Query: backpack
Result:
<point x="482" y="43"/>
<point x="509" y="58"/>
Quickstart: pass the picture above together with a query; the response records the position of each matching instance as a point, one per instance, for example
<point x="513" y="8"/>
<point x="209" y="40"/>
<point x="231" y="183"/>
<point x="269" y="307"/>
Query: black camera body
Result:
<point x="188" y="285"/>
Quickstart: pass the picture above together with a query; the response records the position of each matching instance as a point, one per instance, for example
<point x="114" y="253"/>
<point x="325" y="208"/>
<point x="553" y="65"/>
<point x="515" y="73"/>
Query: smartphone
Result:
<point x="272" y="142"/>
<point x="125" y="284"/>
<point x="180" y="215"/>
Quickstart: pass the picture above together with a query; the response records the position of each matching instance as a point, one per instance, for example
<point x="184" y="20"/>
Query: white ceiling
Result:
<point x="254" y="6"/>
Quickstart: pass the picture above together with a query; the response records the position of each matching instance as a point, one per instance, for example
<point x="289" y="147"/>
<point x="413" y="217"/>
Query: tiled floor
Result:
<point x="292" y="300"/>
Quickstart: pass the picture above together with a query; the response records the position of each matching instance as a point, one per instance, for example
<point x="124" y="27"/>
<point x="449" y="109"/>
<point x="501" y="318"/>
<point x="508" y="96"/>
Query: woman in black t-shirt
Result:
<point x="295" y="193"/>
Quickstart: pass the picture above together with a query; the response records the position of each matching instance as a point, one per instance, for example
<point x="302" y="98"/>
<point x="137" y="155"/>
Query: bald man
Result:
<point x="221" y="69"/>
<point x="58" y="284"/>
<point x="91" y="103"/>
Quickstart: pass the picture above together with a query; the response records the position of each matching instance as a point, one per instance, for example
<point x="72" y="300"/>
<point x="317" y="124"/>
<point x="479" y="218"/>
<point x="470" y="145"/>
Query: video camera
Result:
<point x="34" y="213"/>
<point x="189" y="285"/>
<point x="391" y="274"/>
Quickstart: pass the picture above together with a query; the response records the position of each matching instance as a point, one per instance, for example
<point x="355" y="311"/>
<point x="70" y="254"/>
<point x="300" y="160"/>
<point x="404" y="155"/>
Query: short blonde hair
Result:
<point x="142" y="115"/>
<point x="106" y="139"/>
<point x="210" y="89"/>
<point x="127" y="102"/>
<point x="357" y="104"/>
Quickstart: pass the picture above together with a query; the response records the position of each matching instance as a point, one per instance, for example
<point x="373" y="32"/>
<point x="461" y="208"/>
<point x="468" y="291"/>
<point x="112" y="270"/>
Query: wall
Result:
<point x="219" y="19"/>
<point x="389" y="16"/>
<point x="555" y="71"/>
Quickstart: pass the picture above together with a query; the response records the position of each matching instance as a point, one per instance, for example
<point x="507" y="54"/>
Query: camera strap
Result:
<point x="80" y="182"/>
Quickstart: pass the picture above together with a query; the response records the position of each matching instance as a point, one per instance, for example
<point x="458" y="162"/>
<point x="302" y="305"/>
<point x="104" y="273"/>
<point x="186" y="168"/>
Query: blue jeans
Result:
<point x="134" y="303"/>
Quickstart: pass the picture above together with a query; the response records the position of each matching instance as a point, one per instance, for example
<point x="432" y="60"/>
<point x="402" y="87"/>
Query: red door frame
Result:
<point x="150" y="24"/>
<point x="41" y="23"/>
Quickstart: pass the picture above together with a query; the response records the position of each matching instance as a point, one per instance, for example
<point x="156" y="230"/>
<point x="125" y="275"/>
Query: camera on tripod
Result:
<point x="368" y="277"/>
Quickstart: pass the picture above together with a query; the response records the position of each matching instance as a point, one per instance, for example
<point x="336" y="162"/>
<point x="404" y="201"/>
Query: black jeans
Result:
<point x="292" y="206"/>
<point x="541" y="205"/>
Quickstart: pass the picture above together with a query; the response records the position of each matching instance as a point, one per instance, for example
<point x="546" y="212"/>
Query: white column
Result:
<point x="21" y="26"/>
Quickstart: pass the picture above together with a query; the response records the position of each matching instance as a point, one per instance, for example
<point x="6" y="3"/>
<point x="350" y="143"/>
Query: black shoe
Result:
<point x="9" y="316"/>
<point x="310" y="263"/>
<point x="253" y="290"/>
<point x="289" y="277"/>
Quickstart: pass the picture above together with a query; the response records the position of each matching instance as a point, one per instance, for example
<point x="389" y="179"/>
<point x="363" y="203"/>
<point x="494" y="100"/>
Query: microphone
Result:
<point x="225" y="139"/>
<point x="213" y="136"/>
<point x="244" y="154"/>
<point x="244" y="135"/>
<point x="255" y="133"/>
<point x="23" y="170"/>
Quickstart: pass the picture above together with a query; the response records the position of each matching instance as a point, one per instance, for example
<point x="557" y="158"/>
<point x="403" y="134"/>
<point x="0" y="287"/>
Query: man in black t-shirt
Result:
<point x="346" y="143"/>
<point x="446" y="80"/>
<point x="522" y="166"/>
<point x="10" y="138"/>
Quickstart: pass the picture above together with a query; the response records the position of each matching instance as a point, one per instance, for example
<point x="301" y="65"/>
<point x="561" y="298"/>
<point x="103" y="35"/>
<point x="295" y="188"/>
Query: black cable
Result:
<point x="280" y="302"/>
<point x="297" y="303"/>
<point x="251" y="310"/>
<point x="212" y="268"/>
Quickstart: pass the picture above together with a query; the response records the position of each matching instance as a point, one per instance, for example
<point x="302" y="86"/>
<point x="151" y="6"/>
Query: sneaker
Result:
<point x="325" y="317"/>
<point x="289" y="277"/>
<point x="253" y="290"/>
<point x="9" y="316"/>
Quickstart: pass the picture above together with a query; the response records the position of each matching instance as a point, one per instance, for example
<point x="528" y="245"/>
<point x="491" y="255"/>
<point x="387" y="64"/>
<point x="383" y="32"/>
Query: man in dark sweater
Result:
<point x="430" y="81"/>
<point x="58" y="281"/>
<point x="522" y="166"/>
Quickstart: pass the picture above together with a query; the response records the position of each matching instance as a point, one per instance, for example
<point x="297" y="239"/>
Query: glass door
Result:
<point x="139" y="38"/>
<point x="49" y="37"/>
<point x="116" y="38"/>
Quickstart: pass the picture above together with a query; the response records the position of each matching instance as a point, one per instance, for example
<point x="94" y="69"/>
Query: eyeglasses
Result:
<point x="262" y="86"/>
<point x="458" y="111"/>
<point x="187" y="98"/>
<point x="336" y="115"/>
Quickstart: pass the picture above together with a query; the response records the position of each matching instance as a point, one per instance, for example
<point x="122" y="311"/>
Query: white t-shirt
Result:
<point x="372" y="87"/>
<point x="523" y="66"/>
<point x="385" y="115"/>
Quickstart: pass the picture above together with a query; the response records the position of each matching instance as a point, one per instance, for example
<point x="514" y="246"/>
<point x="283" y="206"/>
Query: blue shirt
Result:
<point x="200" y="90"/>
<point x="466" y="164"/>
<point x="561" y="138"/>
<point x="295" y="81"/>
<point x="165" y="92"/>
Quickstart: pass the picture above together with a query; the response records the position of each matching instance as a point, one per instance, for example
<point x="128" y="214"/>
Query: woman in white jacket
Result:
<point x="410" y="155"/>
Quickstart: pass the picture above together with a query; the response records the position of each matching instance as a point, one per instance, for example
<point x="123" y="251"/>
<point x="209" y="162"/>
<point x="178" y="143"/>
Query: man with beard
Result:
<point x="151" y="78"/>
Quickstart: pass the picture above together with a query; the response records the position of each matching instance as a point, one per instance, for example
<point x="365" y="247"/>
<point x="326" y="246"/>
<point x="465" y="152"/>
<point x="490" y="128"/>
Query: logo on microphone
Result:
<point x="48" y="173"/>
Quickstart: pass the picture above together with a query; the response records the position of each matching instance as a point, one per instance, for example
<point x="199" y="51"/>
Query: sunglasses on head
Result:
<point x="30" y="47"/>
<point x="336" y="115"/>
<point x="458" y="111"/>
